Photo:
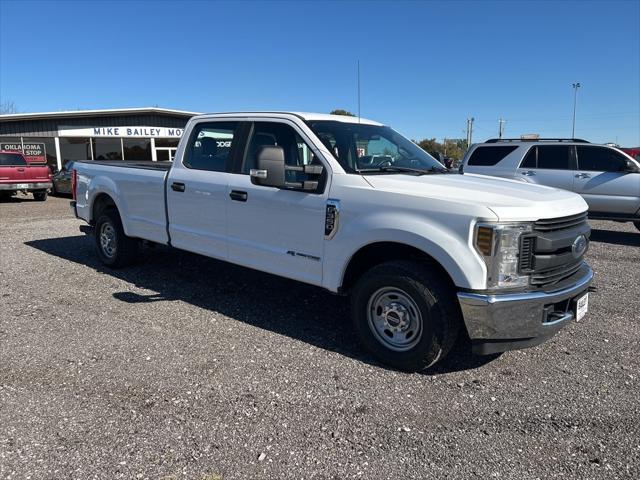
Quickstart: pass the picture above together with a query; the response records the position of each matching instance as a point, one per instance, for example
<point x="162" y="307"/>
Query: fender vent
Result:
<point x="332" y="217"/>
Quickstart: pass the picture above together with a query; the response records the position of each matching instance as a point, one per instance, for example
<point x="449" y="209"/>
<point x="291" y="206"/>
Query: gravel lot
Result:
<point x="184" y="367"/>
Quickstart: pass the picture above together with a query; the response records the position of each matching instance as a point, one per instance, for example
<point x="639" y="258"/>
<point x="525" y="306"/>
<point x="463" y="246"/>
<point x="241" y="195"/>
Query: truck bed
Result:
<point x="144" y="164"/>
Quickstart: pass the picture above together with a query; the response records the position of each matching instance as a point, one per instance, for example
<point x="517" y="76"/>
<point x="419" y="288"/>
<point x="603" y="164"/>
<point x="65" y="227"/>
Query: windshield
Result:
<point x="372" y="148"/>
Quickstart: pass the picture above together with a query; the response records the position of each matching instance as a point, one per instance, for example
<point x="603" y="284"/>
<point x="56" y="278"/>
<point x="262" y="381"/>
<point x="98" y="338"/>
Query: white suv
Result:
<point x="607" y="178"/>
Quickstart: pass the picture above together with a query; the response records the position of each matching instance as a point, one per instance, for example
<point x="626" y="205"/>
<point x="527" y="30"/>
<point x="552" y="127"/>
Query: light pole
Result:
<point x="575" y="86"/>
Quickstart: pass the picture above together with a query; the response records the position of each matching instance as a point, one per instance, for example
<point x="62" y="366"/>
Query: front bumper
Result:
<point x="25" y="186"/>
<point x="501" y="322"/>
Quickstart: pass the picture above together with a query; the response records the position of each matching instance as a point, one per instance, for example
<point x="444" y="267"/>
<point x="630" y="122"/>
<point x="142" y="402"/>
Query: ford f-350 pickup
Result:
<point x="352" y="206"/>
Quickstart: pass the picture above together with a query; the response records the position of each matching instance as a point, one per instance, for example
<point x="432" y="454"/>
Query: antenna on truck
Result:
<point x="358" y="91"/>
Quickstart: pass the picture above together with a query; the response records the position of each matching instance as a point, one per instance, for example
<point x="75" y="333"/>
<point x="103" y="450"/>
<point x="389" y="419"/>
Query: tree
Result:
<point x="340" y="111"/>
<point x="7" y="107"/>
<point x="454" y="148"/>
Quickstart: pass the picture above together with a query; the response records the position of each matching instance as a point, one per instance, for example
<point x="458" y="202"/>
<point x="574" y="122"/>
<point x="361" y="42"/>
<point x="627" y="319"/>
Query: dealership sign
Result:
<point x="33" y="152"/>
<point x="121" y="132"/>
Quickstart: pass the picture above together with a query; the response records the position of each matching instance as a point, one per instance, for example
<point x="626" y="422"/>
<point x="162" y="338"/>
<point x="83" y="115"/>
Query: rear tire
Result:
<point x="114" y="248"/>
<point x="40" y="195"/>
<point x="406" y="314"/>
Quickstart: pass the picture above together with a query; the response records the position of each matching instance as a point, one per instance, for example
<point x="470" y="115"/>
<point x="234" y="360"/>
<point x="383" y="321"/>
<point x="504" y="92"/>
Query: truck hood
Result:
<point x="510" y="200"/>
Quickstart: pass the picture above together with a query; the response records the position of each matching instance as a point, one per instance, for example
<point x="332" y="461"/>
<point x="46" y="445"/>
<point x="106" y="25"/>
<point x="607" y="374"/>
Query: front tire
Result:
<point x="406" y="314"/>
<point x="40" y="195"/>
<point x="114" y="248"/>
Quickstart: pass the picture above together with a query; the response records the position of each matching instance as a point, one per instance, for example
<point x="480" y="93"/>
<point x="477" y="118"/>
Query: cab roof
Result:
<point x="307" y="116"/>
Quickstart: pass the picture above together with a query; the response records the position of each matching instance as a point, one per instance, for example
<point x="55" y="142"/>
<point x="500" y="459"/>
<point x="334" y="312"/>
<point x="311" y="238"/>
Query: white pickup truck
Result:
<point x="352" y="206"/>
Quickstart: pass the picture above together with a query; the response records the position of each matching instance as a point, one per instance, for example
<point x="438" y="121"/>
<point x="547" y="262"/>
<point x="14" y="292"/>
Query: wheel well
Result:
<point x="376" y="253"/>
<point x="101" y="203"/>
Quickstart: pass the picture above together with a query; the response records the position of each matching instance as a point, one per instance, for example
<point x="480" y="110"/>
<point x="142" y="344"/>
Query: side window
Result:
<point x="296" y="152"/>
<point x="600" y="159"/>
<point x="489" y="156"/>
<point x="531" y="159"/>
<point x="211" y="146"/>
<point x="553" y="157"/>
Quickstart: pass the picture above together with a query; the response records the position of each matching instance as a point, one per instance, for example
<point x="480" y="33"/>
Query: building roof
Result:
<point x="94" y="113"/>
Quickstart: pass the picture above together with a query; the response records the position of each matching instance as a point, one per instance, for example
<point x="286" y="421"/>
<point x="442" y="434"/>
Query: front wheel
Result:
<point x="114" y="248"/>
<point x="40" y="195"/>
<point x="406" y="314"/>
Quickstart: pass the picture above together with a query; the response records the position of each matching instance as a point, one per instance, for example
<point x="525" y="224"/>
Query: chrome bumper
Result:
<point x="29" y="186"/>
<point x="500" y="322"/>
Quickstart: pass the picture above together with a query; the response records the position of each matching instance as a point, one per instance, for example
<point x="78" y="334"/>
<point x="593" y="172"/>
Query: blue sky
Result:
<point x="425" y="66"/>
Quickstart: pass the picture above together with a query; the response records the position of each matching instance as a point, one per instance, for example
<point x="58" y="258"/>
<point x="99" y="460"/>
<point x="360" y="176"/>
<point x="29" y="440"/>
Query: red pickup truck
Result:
<point x="16" y="175"/>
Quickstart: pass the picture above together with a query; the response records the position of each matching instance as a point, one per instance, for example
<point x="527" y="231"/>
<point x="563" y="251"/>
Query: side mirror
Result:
<point x="631" y="167"/>
<point x="270" y="171"/>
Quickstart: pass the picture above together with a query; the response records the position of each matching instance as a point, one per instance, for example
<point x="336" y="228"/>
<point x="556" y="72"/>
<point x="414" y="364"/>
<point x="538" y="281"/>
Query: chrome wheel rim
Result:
<point x="108" y="240"/>
<point x="394" y="319"/>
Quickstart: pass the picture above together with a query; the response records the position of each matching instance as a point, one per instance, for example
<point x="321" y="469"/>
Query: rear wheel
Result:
<point x="406" y="314"/>
<point x="114" y="248"/>
<point x="40" y="195"/>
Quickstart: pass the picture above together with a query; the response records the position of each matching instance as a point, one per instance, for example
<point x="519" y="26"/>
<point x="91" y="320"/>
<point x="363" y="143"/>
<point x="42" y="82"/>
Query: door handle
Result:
<point x="177" y="187"/>
<point x="582" y="175"/>
<point x="20" y="169"/>
<point x="529" y="173"/>
<point x="238" y="195"/>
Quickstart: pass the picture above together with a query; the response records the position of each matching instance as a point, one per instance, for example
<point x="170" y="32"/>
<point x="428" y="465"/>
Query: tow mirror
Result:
<point x="270" y="171"/>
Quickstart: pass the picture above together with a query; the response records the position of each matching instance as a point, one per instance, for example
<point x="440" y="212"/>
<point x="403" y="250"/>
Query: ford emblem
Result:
<point x="579" y="246"/>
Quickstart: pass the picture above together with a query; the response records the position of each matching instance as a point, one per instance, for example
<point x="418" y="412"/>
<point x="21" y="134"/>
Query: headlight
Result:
<point x="499" y="246"/>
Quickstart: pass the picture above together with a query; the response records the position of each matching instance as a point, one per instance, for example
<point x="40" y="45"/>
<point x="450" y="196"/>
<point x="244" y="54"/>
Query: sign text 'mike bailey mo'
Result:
<point x="126" y="132"/>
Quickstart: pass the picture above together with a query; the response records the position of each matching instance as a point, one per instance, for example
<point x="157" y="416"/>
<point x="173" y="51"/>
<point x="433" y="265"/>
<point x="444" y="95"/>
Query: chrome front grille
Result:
<point x="546" y="254"/>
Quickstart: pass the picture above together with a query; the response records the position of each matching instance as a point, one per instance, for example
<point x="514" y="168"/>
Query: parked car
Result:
<point x="422" y="252"/>
<point x="632" y="152"/>
<point x="16" y="175"/>
<point x="606" y="177"/>
<point x="62" y="180"/>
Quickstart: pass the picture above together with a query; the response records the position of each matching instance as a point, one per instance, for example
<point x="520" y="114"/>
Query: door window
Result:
<point x="550" y="157"/>
<point x="211" y="146"/>
<point x="296" y="151"/>
<point x="600" y="159"/>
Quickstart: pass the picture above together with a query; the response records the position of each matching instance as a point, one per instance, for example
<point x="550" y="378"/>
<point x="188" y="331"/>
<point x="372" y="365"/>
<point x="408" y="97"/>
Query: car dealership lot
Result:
<point x="185" y="367"/>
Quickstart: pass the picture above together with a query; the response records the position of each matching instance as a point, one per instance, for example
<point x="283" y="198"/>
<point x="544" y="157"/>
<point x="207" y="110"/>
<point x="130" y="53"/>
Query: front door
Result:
<point x="602" y="181"/>
<point x="280" y="231"/>
<point x="549" y="165"/>
<point x="197" y="190"/>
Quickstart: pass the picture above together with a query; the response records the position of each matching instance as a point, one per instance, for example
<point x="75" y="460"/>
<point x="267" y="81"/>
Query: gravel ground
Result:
<point x="184" y="367"/>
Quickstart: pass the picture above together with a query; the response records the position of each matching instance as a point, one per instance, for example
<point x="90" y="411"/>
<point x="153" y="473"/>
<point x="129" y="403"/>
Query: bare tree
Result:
<point x="8" y="106"/>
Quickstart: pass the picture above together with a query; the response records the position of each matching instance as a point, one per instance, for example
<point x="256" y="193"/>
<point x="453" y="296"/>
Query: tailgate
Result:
<point x="23" y="174"/>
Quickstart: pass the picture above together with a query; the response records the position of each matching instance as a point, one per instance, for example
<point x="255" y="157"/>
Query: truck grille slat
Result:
<point x="562" y="223"/>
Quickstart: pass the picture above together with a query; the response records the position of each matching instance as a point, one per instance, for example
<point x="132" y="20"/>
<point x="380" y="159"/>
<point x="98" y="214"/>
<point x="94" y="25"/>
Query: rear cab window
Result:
<point x="12" y="159"/>
<point x="490" y="155"/>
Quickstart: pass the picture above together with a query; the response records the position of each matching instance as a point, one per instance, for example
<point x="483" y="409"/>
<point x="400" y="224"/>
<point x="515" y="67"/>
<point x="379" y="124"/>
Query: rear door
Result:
<point x="198" y="189"/>
<point x="602" y="181"/>
<point x="550" y="165"/>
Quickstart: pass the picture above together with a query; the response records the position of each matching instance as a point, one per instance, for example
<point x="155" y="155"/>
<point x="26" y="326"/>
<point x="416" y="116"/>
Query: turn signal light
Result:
<point x="484" y="240"/>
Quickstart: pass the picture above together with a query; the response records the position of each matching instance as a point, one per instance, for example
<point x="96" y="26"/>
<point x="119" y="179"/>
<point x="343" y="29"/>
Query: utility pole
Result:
<point x="575" y="86"/>
<point x="501" y="123"/>
<point x="469" y="131"/>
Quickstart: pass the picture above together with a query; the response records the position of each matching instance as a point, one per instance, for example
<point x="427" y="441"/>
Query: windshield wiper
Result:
<point x="394" y="168"/>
